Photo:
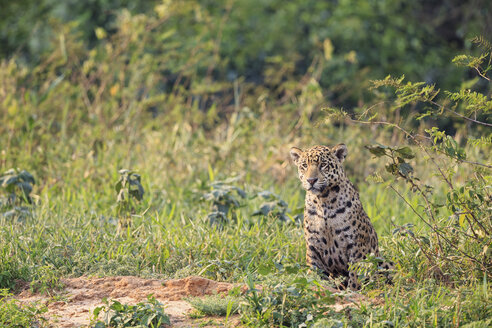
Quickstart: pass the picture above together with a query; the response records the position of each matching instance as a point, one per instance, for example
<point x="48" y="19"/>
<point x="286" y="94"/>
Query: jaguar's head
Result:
<point x="319" y="166"/>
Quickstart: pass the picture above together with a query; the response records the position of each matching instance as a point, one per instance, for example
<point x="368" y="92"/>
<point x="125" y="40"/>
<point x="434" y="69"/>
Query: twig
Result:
<point x="460" y="115"/>
<point x="476" y="163"/>
<point x="481" y="74"/>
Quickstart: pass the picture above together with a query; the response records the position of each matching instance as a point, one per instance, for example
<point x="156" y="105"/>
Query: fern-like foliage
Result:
<point x="474" y="101"/>
<point x="469" y="60"/>
<point x="483" y="63"/>
<point x="482" y="43"/>
<point x="388" y="81"/>
<point x="407" y="93"/>
<point x="480" y="142"/>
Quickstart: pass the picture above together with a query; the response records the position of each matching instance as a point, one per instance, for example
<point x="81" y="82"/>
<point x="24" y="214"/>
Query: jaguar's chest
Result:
<point x="331" y="209"/>
<point x="331" y="219"/>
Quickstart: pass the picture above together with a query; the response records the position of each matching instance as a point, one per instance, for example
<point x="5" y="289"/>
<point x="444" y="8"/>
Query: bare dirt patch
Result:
<point x="80" y="296"/>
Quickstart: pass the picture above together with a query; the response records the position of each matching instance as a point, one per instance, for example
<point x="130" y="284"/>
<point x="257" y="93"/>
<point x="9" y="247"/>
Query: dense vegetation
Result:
<point x="153" y="140"/>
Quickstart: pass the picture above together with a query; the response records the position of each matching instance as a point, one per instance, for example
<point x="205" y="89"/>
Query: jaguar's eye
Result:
<point x="323" y="166"/>
<point x="304" y="166"/>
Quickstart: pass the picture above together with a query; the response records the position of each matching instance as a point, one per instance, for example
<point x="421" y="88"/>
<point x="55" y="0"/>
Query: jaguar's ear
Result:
<point x="340" y="151"/>
<point x="295" y="154"/>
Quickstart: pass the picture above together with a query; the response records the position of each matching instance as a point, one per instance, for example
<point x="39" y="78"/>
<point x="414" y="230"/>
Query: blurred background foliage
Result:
<point x="342" y="44"/>
<point x="69" y="67"/>
<point x="100" y="73"/>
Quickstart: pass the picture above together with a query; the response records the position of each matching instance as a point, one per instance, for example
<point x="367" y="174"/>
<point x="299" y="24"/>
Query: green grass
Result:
<point x="74" y="229"/>
<point x="215" y="305"/>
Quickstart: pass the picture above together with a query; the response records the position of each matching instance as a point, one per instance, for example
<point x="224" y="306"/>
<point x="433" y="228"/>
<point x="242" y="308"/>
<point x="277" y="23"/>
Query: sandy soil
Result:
<point x="82" y="295"/>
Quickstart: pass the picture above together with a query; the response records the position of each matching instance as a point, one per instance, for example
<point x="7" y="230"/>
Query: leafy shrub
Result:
<point x="18" y="187"/>
<point x="275" y="207"/>
<point x="223" y="202"/>
<point x="144" y="314"/>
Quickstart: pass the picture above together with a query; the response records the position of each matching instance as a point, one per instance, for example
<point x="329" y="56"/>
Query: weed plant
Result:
<point x="117" y="315"/>
<point x="13" y="314"/>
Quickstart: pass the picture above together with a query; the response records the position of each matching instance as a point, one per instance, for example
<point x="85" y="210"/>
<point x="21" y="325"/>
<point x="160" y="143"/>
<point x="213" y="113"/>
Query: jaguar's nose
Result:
<point x="312" y="181"/>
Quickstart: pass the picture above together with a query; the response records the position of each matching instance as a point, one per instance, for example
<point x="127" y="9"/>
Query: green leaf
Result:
<point x="292" y="269"/>
<point x="96" y="311"/>
<point x="25" y="187"/>
<point x="9" y="180"/>
<point x="461" y="220"/>
<point x="405" y="152"/>
<point x="118" y="186"/>
<point x="378" y="151"/>
<point x="27" y="177"/>
<point x="266" y="194"/>
<point x="264" y="269"/>
<point x="405" y="169"/>
<point x="392" y="168"/>
<point x="240" y="192"/>
<point x="301" y="281"/>
<point x="265" y="209"/>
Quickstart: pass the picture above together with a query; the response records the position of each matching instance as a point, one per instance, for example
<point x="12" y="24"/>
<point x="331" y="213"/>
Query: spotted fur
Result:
<point x="337" y="230"/>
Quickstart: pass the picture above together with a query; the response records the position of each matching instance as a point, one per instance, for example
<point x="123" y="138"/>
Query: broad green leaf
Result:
<point x="264" y="269"/>
<point x="405" y="169"/>
<point x="378" y="151"/>
<point x="405" y="152"/>
<point x="392" y="168"/>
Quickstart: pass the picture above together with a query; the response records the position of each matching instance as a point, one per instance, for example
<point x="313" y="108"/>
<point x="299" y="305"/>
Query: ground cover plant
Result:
<point x="215" y="305"/>
<point x="156" y="144"/>
<point x="144" y="314"/>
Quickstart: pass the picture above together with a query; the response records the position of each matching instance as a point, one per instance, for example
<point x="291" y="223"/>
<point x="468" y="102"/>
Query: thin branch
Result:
<point x="369" y="109"/>
<point x="428" y="206"/>
<point x="460" y="115"/>
<point x="465" y="161"/>
<point x="482" y="75"/>
<point x="476" y="163"/>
